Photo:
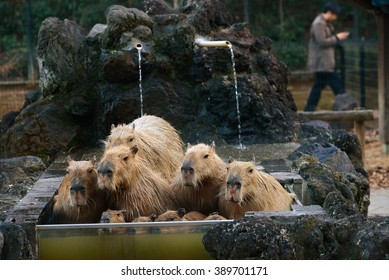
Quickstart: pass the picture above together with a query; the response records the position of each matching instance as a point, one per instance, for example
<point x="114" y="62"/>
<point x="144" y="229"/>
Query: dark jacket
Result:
<point x="321" y="47"/>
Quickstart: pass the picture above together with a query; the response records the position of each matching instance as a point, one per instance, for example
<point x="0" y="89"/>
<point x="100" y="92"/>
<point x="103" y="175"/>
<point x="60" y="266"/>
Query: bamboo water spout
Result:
<point x="201" y="42"/>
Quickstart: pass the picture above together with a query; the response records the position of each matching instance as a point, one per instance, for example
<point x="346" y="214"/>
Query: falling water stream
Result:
<point x="237" y="97"/>
<point x="139" y="48"/>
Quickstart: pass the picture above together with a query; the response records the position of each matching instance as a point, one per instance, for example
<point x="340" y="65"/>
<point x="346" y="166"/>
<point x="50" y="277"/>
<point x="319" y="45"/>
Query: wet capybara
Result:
<point x="145" y="219"/>
<point x="193" y="216"/>
<point x="78" y="200"/>
<point x="198" y="181"/>
<point x="132" y="184"/>
<point x="113" y="216"/>
<point x="215" y="216"/>
<point x="171" y="215"/>
<point x="247" y="189"/>
<point x="158" y="143"/>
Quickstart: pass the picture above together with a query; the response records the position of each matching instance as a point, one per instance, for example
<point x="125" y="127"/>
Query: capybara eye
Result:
<point x="251" y="170"/>
<point x="206" y="156"/>
<point x="90" y="170"/>
<point x="131" y="139"/>
<point x="125" y="158"/>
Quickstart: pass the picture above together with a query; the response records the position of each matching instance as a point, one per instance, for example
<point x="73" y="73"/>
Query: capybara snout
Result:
<point x="187" y="171"/>
<point x="234" y="181"/>
<point x="105" y="169"/>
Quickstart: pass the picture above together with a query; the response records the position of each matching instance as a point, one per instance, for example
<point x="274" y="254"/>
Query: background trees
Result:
<point x="286" y="22"/>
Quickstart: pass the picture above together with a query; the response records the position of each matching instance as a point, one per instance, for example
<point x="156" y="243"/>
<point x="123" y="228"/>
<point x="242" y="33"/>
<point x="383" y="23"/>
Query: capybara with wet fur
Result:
<point x="113" y="216"/>
<point x="248" y="189"/>
<point x="171" y="215"/>
<point x="132" y="184"/>
<point x="78" y="200"/>
<point x="158" y="142"/>
<point x="215" y="216"/>
<point x="193" y="216"/>
<point x="145" y="219"/>
<point x="198" y="181"/>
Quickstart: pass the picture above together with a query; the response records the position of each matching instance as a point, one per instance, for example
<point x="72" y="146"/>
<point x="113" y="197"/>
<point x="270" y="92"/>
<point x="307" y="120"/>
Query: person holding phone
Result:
<point x="321" y="54"/>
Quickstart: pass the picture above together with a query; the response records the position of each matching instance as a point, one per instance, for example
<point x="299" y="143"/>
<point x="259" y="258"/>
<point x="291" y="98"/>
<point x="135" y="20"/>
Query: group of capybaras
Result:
<point x="144" y="175"/>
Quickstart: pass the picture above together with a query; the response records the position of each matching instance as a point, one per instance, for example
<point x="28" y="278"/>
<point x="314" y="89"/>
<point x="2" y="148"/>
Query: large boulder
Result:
<point x="300" y="237"/>
<point x="90" y="80"/>
<point x="15" y="243"/>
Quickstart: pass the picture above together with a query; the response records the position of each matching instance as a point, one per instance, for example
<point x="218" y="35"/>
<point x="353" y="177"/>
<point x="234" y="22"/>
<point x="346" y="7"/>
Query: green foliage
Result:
<point x="292" y="54"/>
<point x="286" y="22"/>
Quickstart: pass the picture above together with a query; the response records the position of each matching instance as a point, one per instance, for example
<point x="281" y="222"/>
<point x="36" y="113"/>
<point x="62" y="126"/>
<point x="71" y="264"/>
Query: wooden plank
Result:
<point x="350" y="115"/>
<point x="360" y="132"/>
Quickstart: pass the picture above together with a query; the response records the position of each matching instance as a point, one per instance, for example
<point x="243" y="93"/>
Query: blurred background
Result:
<point x="286" y="22"/>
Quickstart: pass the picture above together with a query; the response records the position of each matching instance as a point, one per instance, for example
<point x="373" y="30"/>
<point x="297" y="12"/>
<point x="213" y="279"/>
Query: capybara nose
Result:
<point x="187" y="167"/>
<point x="105" y="220"/>
<point x="234" y="182"/>
<point x="77" y="187"/>
<point x="105" y="170"/>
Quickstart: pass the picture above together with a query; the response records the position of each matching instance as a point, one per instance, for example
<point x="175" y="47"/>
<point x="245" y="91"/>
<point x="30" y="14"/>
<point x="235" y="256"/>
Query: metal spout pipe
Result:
<point x="206" y="43"/>
<point x="139" y="46"/>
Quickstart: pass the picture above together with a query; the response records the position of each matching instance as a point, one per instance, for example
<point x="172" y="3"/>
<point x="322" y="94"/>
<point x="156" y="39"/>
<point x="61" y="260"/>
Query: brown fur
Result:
<point x="171" y="215"/>
<point x="113" y="216"/>
<point x="158" y="142"/>
<point x="248" y="189"/>
<point x="78" y="200"/>
<point x="193" y="216"/>
<point x="132" y="185"/>
<point x="215" y="216"/>
<point x="145" y="219"/>
<point x="197" y="183"/>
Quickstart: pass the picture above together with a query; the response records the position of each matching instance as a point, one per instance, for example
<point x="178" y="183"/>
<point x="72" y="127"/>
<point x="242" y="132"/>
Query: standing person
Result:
<point x="321" y="54"/>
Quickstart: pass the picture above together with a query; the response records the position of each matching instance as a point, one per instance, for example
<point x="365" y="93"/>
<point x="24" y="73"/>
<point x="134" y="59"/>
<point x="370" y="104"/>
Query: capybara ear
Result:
<point x="188" y="146"/>
<point x="133" y="126"/>
<point x="181" y="212"/>
<point x="153" y="217"/>
<point x="93" y="160"/>
<point x="112" y="126"/>
<point x="230" y="160"/>
<point x="213" y="146"/>
<point x="134" y="149"/>
<point x="69" y="159"/>
<point x="253" y="160"/>
<point x="104" y="142"/>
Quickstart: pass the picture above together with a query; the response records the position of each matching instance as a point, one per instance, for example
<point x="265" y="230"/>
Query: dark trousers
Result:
<point x="322" y="79"/>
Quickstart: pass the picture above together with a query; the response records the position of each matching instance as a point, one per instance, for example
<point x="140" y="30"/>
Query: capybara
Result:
<point x="113" y="216"/>
<point x="171" y="215"/>
<point x="193" y="216"/>
<point x="145" y="219"/>
<point x="158" y="142"/>
<point x="248" y="189"/>
<point x="198" y="181"/>
<point x="215" y="216"/>
<point x="78" y="200"/>
<point x="132" y="184"/>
